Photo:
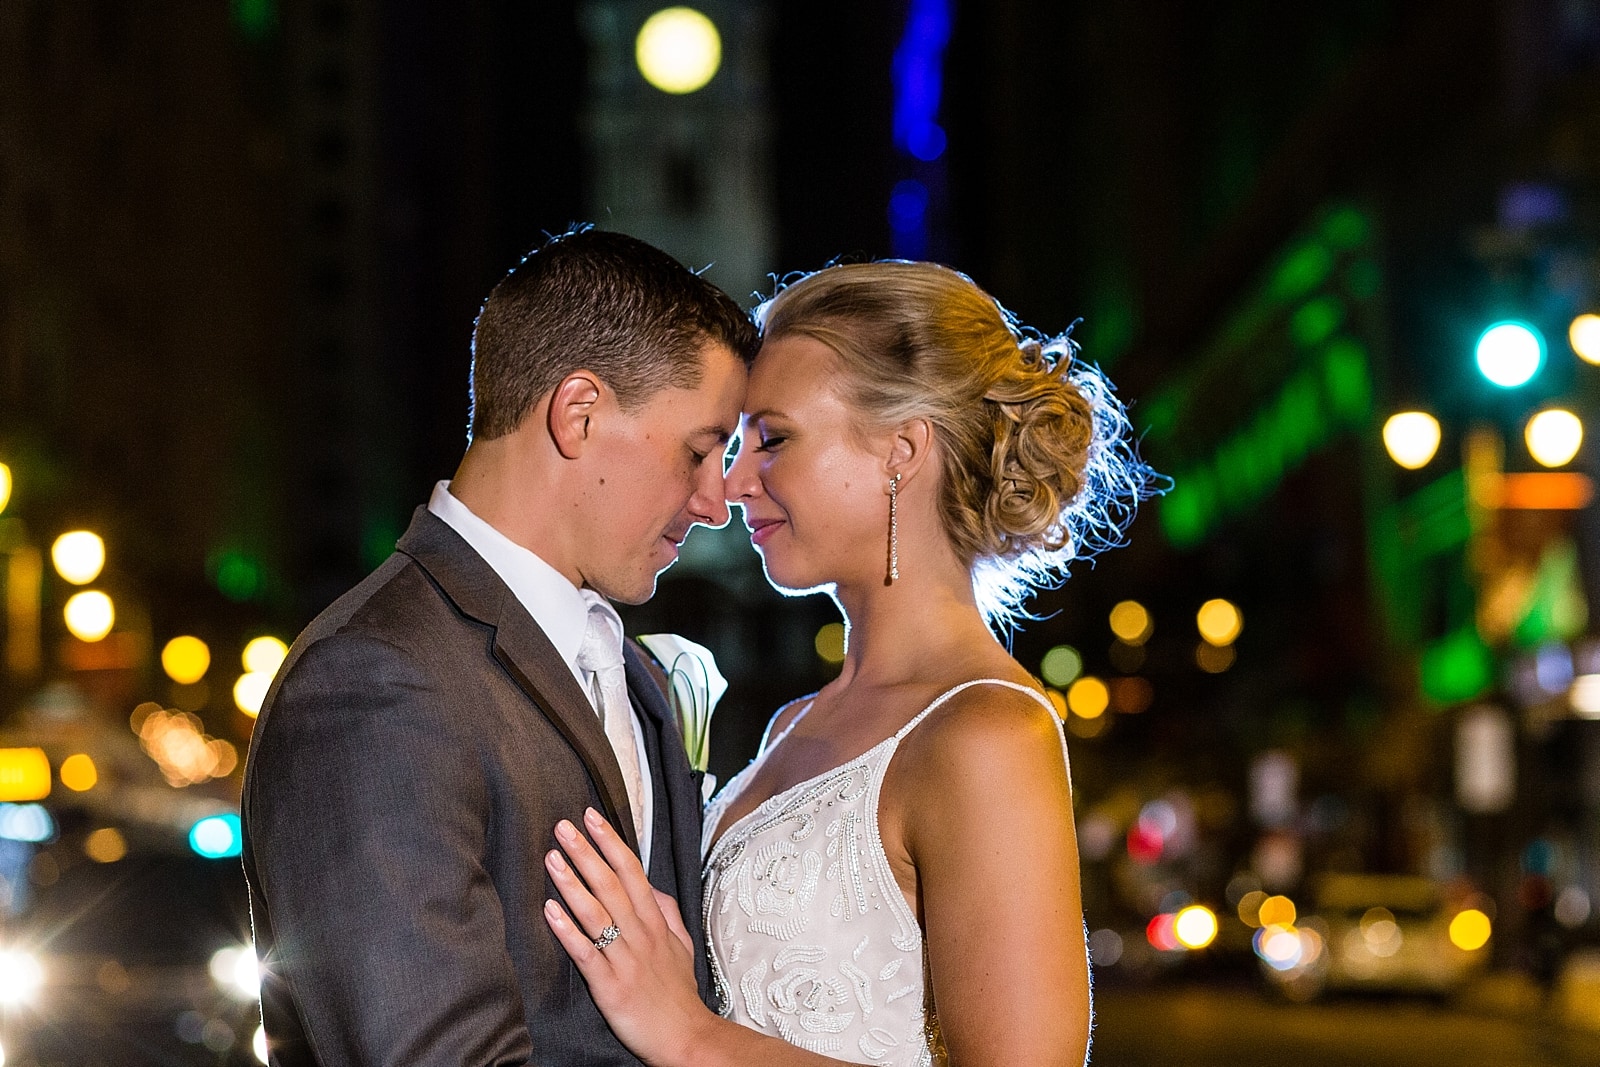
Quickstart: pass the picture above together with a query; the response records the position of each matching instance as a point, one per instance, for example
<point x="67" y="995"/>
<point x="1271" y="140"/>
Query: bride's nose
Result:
<point x="742" y="482"/>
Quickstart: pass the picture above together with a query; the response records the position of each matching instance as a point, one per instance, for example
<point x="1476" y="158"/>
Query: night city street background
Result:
<point x="1334" y="713"/>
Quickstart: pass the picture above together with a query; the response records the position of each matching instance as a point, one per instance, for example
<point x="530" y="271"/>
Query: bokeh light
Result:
<point x="105" y="845"/>
<point x="1160" y="933"/>
<point x="26" y="822"/>
<point x="829" y="642"/>
<point x="1280" y="947"/>
<point x="250" y="692"/>
<point x="1509" y="353"/>
<point x="5" y="486"/>
<point x="21" y="977"/>
<point x="89" y="615"/>
<point x="78" y="772"/>
<point x="1214" y="659"/>
<point x="1584" y="333"/>
<point x="1061" y="665"/>
<point x="1088" y="697"/>
<point x="24" y="774"/>
<point x="1058" y="702"/>
<point x="264" y="655"/>
<point x="1219" y="622"/>
<point x="1131" y="622"/>
<point x="1276" y="911"/>
<point x="177" y="741"/>
<point x="1470" y="930"/>
<point x="79" y="556"/>
<point x="186" y="659"/>
<point x="237" y="972"/>
<point x="1585" y="695"/>
<point x="1411" y="438"/>
<point x="258" y="1044"/>
<point x="678" y="50"/>
<point x="217" y="836"/>
<point x="1195" y="927"/>
<point x="1554" y="437"/>
<point x="1250" y="907"/>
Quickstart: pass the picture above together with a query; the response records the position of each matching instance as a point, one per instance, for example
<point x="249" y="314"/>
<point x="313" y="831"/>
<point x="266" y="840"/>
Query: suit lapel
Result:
<point x="524" y="651"/>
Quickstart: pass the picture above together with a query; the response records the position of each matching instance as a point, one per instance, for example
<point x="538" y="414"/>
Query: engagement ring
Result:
<point x="608" y="935"/>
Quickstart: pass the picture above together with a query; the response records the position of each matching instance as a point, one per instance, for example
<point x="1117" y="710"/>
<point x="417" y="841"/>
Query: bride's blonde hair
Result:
<point x="1038" y="467"/>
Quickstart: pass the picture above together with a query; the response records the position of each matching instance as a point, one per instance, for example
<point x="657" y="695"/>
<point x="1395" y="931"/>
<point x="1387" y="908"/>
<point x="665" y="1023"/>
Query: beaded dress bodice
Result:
<point x="809" y="935"/>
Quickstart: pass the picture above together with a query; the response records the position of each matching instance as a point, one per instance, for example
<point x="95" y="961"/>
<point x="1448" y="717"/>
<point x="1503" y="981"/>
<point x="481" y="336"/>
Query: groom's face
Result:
<point x="659" y="473"/>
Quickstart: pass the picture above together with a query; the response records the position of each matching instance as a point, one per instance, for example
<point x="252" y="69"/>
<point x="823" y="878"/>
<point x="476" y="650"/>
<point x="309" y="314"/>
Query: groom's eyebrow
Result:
<point x="721" y="433"/>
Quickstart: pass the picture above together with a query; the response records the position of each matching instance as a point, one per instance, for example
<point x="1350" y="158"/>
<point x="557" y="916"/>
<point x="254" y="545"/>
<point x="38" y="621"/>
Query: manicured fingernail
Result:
<point x="592" y="817"/>
<point x="552" y="909"/>
<point x="556" y="860"/>
<point x="566" y="831"/>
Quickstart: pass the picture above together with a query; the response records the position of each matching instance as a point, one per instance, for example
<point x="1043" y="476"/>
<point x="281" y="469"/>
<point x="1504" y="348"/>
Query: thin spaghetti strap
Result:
<point x="953" y="690"/>
<point x="802" y="713"/>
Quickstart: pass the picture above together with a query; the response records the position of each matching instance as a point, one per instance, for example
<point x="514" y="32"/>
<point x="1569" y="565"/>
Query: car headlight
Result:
<point x="20" y="977"/>
<point x="236" y="972"/>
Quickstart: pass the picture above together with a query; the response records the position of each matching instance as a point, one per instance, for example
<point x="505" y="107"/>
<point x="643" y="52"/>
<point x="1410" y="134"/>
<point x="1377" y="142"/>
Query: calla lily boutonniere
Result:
<point x="694" y="685"/>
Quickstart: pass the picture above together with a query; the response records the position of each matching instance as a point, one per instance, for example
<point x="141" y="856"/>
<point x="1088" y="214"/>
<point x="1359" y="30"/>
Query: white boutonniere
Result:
<point x="694" y="685"/>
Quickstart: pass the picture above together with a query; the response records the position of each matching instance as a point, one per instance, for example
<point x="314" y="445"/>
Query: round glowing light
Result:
<point x="1061" y="665"/>
<point x="1195" y="927"/>
<point x="20" y="977"/>
<point x="79" y="556"/>
<point x="1554" y="436"/>
<point x="186" y="659"/>
<point x="1131" y="622"/>
<point x="78" y="772"/>
<point x="1280" y="947"/>
<point x="1584" y="333"/>
<point x="1250" y="907"/>
<point x="258" y="1045"/>
<point x="1585" y="695"/>
<point x="264" y="655"/>
<point x="1509" y="353"/>
<point x="250" y="691"/>
<point x="829" y="643"/>
<point x="5" y="498"/>
<point x="237" y="972"/>
<point x="216" y="836"/>
<point x="1276" y="911"/>
<point x="1088" y="697"/>
<point x="1214" y="659"/>
<point x="1161" y="935"/>
<point x="89" y="615"/>
<point x="105" y="845"/>
<point x="1058" y="701"/>
<point x="1219" y="622"/>
<point x="678" y="50"/>
<point x="1470" y="930"/>
<point x="1411" y="438"/>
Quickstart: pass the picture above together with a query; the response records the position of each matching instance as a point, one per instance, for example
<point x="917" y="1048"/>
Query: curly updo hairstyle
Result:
<point x="1037" y="465"/>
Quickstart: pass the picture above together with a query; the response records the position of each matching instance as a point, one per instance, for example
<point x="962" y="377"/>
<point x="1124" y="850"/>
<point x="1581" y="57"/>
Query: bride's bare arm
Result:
<point x="979" y="796"/>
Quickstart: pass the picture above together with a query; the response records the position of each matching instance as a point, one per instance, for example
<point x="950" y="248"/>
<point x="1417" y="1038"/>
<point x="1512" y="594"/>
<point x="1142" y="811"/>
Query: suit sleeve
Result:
<point x="368" y="821"/>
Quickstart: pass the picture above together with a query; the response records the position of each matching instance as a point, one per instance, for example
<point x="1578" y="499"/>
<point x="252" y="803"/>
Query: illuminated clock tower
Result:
<point x="677" y="129"/>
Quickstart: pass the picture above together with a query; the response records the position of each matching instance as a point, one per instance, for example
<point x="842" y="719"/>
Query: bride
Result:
<point x="894" y="879"/>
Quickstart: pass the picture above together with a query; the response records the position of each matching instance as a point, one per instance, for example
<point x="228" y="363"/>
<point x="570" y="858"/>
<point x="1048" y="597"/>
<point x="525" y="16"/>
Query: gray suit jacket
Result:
<point x="407" y="771"/>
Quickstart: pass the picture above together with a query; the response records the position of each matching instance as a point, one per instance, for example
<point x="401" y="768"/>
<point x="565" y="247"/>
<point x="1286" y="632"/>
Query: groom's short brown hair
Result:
<point x="601" y="301"/>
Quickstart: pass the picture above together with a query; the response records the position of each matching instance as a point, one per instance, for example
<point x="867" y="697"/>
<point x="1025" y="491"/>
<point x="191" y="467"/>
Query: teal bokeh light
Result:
<point x="1510" y="353"/>
<point x="217" y="837"/>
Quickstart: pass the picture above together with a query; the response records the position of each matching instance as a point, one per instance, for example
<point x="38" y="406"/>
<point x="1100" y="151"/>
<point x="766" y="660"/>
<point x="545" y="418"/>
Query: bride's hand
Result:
<point x="643" y="981"/>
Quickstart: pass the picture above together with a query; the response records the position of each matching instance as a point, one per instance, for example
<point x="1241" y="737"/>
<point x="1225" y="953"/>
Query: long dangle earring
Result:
<point x="894" y="529"/>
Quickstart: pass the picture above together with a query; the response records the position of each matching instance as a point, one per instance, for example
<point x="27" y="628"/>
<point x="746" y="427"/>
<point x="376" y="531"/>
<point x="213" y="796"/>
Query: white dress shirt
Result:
<point x="555" y="604"/>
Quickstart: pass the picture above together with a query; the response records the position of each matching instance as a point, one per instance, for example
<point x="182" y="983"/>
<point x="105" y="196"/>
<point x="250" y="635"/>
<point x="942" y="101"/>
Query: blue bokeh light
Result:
<point x="918" y="75"/>
<point x="217" y="836"/>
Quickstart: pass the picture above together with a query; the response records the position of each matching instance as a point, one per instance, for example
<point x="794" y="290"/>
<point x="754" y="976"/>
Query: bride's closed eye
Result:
<point x="767" y="444"/>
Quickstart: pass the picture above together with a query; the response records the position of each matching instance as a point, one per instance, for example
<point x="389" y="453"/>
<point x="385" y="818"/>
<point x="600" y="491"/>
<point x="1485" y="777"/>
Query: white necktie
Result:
<point x="601" y="656"/>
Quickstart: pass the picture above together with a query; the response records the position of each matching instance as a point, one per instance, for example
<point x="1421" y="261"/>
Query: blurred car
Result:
<point x="120" y="944"/>
<point x="1388" y="933"/>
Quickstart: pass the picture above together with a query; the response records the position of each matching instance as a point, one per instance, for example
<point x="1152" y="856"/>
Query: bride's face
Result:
<point x="814" y="493"/>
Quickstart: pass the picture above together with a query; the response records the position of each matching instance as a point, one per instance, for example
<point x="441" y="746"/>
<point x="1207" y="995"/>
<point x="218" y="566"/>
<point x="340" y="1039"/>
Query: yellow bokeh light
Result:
<point x="1131" y="622"/>
<point x="264" y="655"/>
<point x="1584" y="333"/>
<point x="79" y="556"/>
<point x="1276" y="911"/>
<point x="1470" y="930"/>
<point x="829" y="642"/>
<point x="1088" y="697"/>
<point x="5" y="486"/>
<point x="1250" y="907"/>
<point x="1195" y="926"/>
<point x="1411" y="438"/>
<point x="1214" y="659"/>
<point x="24" y="774"/>
<point x="186" y="659"/>
<point x="1554" y="437"/>
<point x="89" y="615"/>
<point x="250" y="690"/>
<point x="1219" y="622"/>
<point x="678" y="50"/>
<point x="1058" y="701"/>
<point x="78" y="772"/>
<point x="105" y="845"/>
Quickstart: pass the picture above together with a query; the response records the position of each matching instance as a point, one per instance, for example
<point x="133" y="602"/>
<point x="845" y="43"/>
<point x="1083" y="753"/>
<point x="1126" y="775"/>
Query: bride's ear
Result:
<point x="909" y="448"/>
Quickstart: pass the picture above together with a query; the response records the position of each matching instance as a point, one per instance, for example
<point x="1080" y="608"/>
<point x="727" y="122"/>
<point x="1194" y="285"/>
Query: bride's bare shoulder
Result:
<point x="989" y="729"/>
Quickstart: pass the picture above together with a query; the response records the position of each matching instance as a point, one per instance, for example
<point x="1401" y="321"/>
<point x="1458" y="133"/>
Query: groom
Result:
<point x="431" y="727"/>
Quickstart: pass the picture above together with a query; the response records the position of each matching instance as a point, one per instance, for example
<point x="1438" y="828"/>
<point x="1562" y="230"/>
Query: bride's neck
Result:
<point x="896" y="631"/>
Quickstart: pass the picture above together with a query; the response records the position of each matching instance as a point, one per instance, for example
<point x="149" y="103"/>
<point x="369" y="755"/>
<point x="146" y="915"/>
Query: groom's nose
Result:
<point x="707" y="505"/>
<point x="740" y="481"/>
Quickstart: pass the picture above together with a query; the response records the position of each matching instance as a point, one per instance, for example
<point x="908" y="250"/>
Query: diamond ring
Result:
<point x="608" y="935"/>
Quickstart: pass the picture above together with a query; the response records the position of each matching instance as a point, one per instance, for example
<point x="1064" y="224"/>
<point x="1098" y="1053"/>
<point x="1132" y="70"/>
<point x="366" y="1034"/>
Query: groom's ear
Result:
<point x="572" y="404"/>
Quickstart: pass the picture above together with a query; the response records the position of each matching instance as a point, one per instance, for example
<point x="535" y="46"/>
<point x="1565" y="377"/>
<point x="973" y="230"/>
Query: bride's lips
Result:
<point x="761" y="529"/>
